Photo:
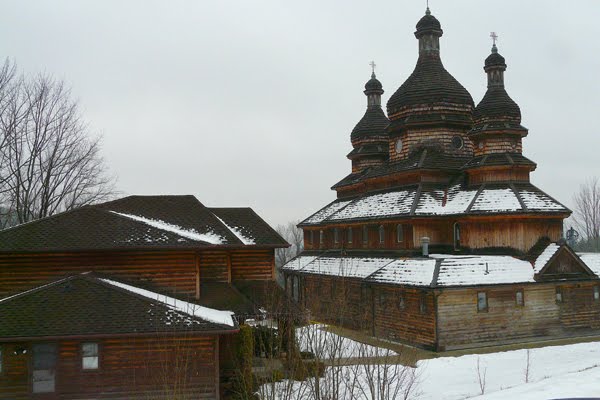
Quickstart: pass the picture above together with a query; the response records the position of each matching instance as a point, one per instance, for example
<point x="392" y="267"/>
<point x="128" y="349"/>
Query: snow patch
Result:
<point x="546" y="255"/>
<point x="194" y="310"/>
<point x="238" y="233"/>
<point x="192" y="234"/>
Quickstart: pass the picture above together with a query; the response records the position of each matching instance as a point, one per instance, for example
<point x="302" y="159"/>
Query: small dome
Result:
<point x="373" y="84"/>
<point x="496" y="105"/>
<point x="373" y="123"/>
<point x="495" y="59"/>
<point x="427" y="24"/>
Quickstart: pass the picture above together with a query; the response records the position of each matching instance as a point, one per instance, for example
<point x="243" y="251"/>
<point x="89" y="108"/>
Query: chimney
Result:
<point x="425" y="244"/>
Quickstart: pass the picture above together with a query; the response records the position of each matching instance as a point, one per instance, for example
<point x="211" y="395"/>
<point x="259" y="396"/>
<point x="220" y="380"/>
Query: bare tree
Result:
<point x="49" y="162"/>
<point x="527" y="369"/>
<point x="295" y="237"/>
<point x="587" y="213"/>
<point x="481" y="374"/>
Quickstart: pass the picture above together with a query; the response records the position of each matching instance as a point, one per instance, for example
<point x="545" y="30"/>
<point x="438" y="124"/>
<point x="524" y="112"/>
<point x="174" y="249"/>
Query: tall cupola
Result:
<point x="431" y="108"/>
<point x="497" y="131"/>
<point x="369" y="137"/>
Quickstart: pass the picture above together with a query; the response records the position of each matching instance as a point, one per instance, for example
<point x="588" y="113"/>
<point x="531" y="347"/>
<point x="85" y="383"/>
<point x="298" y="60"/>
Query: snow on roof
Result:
<point x="482" y="270"/>
<point x="539" y="201"/>
<point x="592" y="260"/>
<point x="378" y="205"/>
<point x="192" y="234"/>
<point x="237" y="232"/>
<point x="543" y="258"/>
<point x="191" y="309"/>
<point x="349" y="267"/>
<point x="298" y="263"/>
<point x="418" y="272"/>
<point x="457" y="201"/>
<point x="326" y="212"/>
<point x="497" y="200"/>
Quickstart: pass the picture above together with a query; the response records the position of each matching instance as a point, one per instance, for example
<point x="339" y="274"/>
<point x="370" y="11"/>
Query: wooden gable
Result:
<point x="564" y="264"/>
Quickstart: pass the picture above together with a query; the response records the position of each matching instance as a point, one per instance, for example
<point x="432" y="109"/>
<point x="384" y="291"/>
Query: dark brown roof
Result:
<point x="149" y="222"/>
<point x="84" y="304"/>
<point x="373" y="123"/>
<point x="429" y="84"/>
<point x="497" y="104"/>
<point x="493" y="159"/>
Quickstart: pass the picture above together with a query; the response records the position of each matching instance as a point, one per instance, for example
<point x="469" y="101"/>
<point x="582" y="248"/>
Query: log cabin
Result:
<point x="143" y="284"/>
<point x="437" y="237"/>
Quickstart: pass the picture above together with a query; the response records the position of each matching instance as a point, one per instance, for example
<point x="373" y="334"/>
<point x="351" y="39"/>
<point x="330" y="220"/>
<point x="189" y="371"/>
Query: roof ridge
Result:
<point x="436" y="271"/>
<point x="38" y="288"/>
<point x="468" y="210"/>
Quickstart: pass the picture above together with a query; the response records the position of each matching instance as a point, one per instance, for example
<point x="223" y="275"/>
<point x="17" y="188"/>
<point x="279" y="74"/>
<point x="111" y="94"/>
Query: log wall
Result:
<point x="130" y="368"/>
<point x="461" y="325"/>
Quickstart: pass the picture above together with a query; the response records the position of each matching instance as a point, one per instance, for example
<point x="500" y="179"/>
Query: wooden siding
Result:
<point x="412" y="321"/>
<point x="175" y="271"/>
<point x="372" y="242"/>
<point x="441" y="136"/>
<point x="130" y="368"/>
<point x="460" y="325"/>
<point x="499" y="174"/>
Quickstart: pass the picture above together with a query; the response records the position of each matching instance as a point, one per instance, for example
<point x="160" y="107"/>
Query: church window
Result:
<point x="401" y="302"/>
<point x="381" y="234"/>
<point x="399" y="233"/>
<point x="321" y="238"/>
<point x="458" y="142"/>
<point x="349" y="235"/>
<point x="519" y="299"/>
<point x="365" y="235"/>
<point x="559" y="294"/>
<point x="482" y="301"/>
<point x="456" y="236"/>
<point x="382" y="299"/>
<point x="398" y="146"/>
<point x="423" y="303"/>
<point x="336" y="235"/>
<point x="89" y="356"/>
<point x="596" y="293"/>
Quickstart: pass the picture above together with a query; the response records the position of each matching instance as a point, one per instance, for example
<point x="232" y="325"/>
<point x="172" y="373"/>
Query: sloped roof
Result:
<point x="146" y="222"/>
<point x="435" y="200"/>
<point x="373" y="123"/>
<point x="436" y="271"/>
<point x="89" y="304"/>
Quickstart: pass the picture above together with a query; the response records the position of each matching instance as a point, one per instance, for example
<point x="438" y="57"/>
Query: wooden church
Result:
<point x="437" y="237"/>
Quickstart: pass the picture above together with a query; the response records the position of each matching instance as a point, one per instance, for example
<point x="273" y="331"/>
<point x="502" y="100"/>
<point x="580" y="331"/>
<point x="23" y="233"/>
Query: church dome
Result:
<point x="429" y="84"/>
<point x="373" y="84"/>
<point x="373" y="123"/>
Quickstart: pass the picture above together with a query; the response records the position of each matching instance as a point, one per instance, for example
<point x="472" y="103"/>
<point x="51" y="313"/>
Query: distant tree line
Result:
<point x="49" y="160"/>
<point x="586" y="216"/>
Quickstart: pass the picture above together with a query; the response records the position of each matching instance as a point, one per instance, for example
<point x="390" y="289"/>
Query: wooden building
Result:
<point x="440" y="175"/>
<point x="123" y="276"/>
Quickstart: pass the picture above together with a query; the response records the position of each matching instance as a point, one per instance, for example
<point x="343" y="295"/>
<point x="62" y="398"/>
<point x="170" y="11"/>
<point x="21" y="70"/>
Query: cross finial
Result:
<point x="494" y="37"/>
<point x="373" y="65"/>
<point x="427" y="10"/>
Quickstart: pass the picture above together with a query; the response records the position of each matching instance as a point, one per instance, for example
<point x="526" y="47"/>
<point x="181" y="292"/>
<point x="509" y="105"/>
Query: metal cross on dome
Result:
<point x="373" y="65"/>
<point x="494" y="37"/>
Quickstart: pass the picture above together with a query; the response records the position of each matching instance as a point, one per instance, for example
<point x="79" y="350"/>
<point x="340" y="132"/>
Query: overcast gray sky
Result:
<point x="251" y="103"/>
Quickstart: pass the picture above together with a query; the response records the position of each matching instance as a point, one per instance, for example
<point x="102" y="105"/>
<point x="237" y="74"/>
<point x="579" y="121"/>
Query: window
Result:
<point x="381" y="234"/>
<point x="336" y="235"/>
<point x="364" y="293"/>
<point x="423" y="304"/>
<point x="596" y="298"/>
<point x="89" y="355"/>
<point x="399" y="233"/>
<point x="519" y="298"/>
<point x="365" y="235"/>
<point x="382" y="299"/>
<point x="296" y="289"/>
<point x="456" y="236"/>
<point x="401" y="302"/>
<point x="559" y="295"/>
<point x="44" y="368"/>
<point x="311" y="237"/>
<point x="349" y="235"/>
<point x="321" y="238"/>
<point x="482" y="302"/>
<point x="457" y="142"/>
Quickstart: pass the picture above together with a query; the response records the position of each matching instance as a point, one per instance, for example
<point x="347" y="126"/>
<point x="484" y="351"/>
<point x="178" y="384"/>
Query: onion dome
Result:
<point x="374" y="122"/>
<point x="496" y="110"/>
<point x="430" y="86"/>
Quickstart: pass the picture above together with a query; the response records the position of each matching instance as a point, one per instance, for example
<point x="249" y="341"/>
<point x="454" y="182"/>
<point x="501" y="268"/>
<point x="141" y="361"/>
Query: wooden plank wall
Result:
<point x="253" y="264"/>
<point x="175" y="271"/>
<point x="406" y="322"/>
<point x="460" y="325"/>
<point x="130" y="368"/>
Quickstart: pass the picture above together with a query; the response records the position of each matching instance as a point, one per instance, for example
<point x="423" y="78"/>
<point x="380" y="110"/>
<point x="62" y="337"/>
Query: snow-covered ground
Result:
<point x="554" y="372"/>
